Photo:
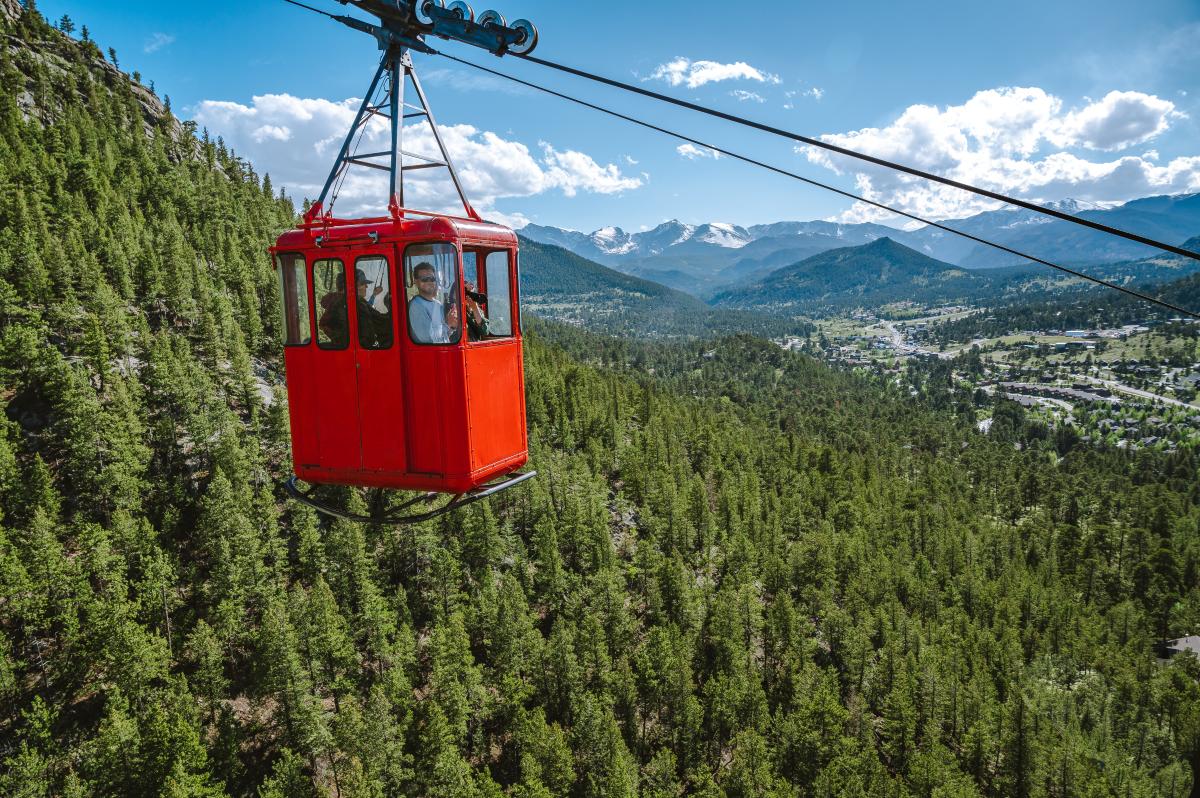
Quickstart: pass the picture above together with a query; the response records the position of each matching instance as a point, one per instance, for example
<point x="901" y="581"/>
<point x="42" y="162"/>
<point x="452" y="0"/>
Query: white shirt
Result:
<point x="427" y="321"/>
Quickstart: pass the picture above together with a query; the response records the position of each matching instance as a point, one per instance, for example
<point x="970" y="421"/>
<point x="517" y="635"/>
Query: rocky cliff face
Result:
<point x="57" y="59"/>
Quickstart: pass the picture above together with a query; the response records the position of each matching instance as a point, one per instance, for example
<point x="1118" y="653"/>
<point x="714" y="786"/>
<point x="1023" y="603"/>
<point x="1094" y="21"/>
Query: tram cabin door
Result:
<point x="495" y="379"/>
<point x="356" y="371"/>
<point x="434" y="320"/>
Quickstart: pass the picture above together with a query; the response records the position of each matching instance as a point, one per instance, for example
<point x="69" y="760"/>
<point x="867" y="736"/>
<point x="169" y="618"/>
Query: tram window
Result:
<point x="293" y="290"/>
<point x="329" y="296"/>
<point x="373" y="307"/>
<point x="499" y="304"/>
<point x="431" y="274"/>
<point x="471" y="267"/>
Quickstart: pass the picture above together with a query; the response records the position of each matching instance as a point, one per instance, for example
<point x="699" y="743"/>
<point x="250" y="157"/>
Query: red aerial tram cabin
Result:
<point x="402" y="333"/>
<point x="376" y="397"/>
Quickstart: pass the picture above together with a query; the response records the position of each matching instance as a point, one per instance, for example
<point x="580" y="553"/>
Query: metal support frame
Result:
<point x="397" y="66"/>
<point x="381" y="514"/>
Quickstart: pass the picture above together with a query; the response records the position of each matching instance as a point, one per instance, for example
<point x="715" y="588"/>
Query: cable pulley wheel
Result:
<point x="423" y="10"/>
<point x="528" y="40"/>
<point x="490" y="17"/>
<point x="463" y="10"/>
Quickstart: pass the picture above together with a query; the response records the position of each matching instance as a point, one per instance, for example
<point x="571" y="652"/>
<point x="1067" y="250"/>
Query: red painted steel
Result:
<point x="441" y="417"/>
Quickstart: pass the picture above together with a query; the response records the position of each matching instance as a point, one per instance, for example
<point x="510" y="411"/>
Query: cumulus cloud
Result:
<point x="692" y="152"/>
<point x="271" y="133"/>
<point x="743" y="96"/>
<point x="1014" y="140"/>
<point x="490" y="167"/>
<point x="1122" y="119"/>
<point x="156" y="42"/>
<point x="684" y="71"/>
<point x="573" y="171"/>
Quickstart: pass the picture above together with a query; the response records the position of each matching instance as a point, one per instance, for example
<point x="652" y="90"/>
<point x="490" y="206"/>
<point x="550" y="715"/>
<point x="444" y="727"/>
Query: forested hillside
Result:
<point x="739" y="573"/>
<point x="558" y="284"/>
<point x="864" y="276"/>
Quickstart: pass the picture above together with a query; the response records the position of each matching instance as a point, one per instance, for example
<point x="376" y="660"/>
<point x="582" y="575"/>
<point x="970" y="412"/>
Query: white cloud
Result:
<point x="156" y="42"/>
<point x="684" y="71"/>
<point x="1120" y="120"/>
<point x="814" y="92"/>
<point x="629" y="160"/>
<point x="490" y="167"/>
<point x="573" y="171"/>
<point x="692" y="152"/>
<point x="742" y="95"/>
<point x="1013" y="140"/>
<point x="271" y="132"/>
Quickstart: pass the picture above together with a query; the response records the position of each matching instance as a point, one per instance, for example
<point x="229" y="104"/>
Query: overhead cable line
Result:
<point x="827" y="187"/>
<point x="825" y="145"/>
<point x="310" y="8"/>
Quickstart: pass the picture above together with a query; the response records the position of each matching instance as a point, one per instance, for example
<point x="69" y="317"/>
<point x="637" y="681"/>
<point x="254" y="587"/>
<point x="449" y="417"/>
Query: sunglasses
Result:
<point x="426" y="279"/>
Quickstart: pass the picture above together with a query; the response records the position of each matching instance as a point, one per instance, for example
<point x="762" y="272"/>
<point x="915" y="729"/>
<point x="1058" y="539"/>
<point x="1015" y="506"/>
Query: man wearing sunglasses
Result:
<point x="428" y="321"/>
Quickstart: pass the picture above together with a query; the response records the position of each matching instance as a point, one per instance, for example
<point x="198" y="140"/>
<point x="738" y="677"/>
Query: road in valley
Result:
<point x="1123" y="388"/>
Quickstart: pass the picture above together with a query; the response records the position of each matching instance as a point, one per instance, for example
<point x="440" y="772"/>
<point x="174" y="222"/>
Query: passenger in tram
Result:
<point x="429" y="322"/>
<point x="333" y="321"/>
<point x="374" y="326"/>
<point x="477" y="320"/>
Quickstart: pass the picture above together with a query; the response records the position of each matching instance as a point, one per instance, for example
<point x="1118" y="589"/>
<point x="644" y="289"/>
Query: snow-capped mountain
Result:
<point x="612" y="243"/>
<point x="704" y="257"/>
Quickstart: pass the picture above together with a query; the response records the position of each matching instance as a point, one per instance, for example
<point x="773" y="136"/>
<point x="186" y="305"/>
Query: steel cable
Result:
<point x="812" y="142"/>
<point x="827" y="187"/>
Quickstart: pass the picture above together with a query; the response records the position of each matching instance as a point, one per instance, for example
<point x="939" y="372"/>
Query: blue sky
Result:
<point x="1097" y="100"/>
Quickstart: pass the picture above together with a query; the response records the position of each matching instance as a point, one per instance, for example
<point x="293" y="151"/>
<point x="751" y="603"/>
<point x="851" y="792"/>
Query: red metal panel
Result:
<point x="495" y="402"/>
<point x="425" y="407"/>
<point x="305" y="451"/>
<point x="381" y="409"/>
<point x="456" y="428"/>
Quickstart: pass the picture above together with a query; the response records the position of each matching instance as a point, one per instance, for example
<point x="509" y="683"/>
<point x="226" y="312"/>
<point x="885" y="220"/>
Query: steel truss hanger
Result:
<point x="401" y="29"/>
<point x="395" y="70"/>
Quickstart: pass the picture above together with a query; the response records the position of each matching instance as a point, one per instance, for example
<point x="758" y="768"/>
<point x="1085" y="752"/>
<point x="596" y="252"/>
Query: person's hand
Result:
<point x="378" y="290"/>
<point x="452" y="316"/>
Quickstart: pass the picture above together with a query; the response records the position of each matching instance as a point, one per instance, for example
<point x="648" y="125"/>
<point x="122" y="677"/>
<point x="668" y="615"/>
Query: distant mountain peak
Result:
<point x="1067" y="205"/>
<point x="608" y="233"/>
<point x="723" y="234"/>
<point x="613" y="241"/>
<point x="883" y="244"/>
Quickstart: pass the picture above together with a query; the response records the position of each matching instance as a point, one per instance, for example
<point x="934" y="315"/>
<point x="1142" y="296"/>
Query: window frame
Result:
<point x="313" y="300"/>
<point x="410" y="283"/>
<point x="283" y="298"/>
<point x="387" y="272"/>
<point x="509" y="259"/>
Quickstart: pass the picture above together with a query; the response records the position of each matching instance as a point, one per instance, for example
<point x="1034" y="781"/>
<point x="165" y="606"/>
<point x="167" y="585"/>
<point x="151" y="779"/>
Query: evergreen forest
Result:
<point x="739" y="573"/>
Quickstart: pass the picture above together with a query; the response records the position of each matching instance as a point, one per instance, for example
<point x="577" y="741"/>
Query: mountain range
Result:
<point x="556" y="283"/>
<point x="707" y="259"/>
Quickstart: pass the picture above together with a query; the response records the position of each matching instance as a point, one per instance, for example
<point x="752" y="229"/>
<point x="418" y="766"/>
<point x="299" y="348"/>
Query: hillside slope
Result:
<point x="560" y="285"/>
<point x="739" y="572"/>
<point x="864" y="276"/>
